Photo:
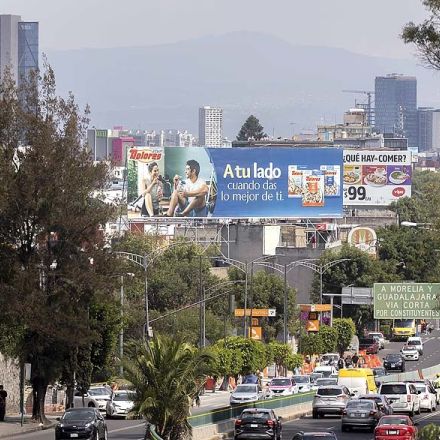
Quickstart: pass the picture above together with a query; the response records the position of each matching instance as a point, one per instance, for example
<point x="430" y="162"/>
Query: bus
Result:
<point x="403" y="328"/>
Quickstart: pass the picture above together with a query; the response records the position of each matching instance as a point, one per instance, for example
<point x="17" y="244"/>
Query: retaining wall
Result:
<point x="10" y="379"/>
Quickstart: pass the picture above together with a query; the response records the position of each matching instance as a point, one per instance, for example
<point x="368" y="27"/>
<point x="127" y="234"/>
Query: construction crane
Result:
<point x="370" y="118"/>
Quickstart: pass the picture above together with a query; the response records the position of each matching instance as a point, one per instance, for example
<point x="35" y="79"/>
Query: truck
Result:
<point x="403" y="329"/>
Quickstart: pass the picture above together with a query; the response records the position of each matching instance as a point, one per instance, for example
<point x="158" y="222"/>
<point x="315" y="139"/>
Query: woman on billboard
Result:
<point x="152" y="188"/>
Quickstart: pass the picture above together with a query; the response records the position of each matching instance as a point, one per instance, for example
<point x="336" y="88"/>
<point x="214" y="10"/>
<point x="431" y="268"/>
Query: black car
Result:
<point x="394" y="361"/>
<point x="81" y="423"/>
<point x="316" y="435"/>
<point x="258" y="423"/>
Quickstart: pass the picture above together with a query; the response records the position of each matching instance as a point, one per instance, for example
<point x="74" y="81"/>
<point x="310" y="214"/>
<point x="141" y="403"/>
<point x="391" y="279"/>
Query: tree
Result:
<point x="294" y="361"/>
<point x="167" y="376"/>
<point x="346" y="330"/>
<point x="49" y="227"/>
<point x="430" y="432"/>
<point x="426" y="35"/>
<point x="251" y="130"/>
<point x="312" y="344"/>
<point x="280" y="354"/>
<point x="329" y="337"/>
<point x="253" y="353"/>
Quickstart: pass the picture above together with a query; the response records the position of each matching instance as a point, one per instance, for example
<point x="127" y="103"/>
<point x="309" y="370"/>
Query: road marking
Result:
<point x="126" y="428"/>
<point x="427" y="416"/>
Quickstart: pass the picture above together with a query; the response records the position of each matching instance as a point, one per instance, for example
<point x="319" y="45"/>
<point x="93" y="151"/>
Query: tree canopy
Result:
<point x="251" y="130"/>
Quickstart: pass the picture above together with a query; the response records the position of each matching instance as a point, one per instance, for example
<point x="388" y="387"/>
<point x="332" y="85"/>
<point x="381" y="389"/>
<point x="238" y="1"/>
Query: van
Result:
<point x="358" y="380"/>
<point x="326" y="370"/>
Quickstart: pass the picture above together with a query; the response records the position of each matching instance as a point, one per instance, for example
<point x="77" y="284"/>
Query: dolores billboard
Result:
<point x="376" y="177"/>
<point x="237" y="183"/>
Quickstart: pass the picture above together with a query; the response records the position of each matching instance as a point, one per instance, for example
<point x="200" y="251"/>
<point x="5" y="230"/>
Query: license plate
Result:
<point x="393" y="432"/>
<point x="73" y="435"/>
<point x="393" y="365"/>
<point x="254" y="425"/>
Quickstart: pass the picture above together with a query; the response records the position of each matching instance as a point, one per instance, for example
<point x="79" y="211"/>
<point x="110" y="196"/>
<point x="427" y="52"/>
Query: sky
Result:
<point x="369" y="27"/>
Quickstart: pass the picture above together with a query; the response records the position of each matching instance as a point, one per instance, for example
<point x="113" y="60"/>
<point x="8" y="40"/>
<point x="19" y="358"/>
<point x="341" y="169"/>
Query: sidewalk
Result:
<point x="11" y="427"/>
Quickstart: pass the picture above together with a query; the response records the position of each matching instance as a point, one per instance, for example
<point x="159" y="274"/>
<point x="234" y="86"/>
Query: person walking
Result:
<point x="3" y="395"/>
<point x="355" y="360"/>
<point x="341" y="363"/>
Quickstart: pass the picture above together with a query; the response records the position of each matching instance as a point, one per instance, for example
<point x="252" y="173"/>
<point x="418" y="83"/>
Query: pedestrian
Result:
<point x="355" y="360"/>
<point x="340" y="363"/>
<point x="3" y="395"/>
<point x="348" y="361"/>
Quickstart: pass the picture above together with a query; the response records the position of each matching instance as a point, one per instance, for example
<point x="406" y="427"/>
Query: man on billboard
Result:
<point x="189" y="198"/>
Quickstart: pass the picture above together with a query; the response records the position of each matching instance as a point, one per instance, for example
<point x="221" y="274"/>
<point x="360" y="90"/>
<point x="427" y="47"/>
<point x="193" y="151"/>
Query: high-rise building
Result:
<point x="424" y="117"/>
<point x="396" y="106"/>
<point x="18" y="46"/>
<point x="211" y="127"/>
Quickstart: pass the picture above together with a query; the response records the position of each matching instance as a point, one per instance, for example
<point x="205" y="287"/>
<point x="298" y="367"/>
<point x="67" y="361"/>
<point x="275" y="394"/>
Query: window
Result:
<point x="329" y="392"/>
<point x="393" y="389"/>
<point x="263" y="415"/>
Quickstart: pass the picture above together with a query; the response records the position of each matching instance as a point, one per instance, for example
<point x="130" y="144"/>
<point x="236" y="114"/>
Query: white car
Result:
<point x="410" y="353"/>
<point x="246" y="393"/>
<point x="303" y="383"/>
<point x="416" y="341"/>
<point x="120" y="403"/>
<point x="428" y="399"/>
<point x="282" y="386"/>
<point x="404" y="397"/>
<point x="379" y="336"/>
<point x="330" y="359"/>
<point x="96" y="397"/>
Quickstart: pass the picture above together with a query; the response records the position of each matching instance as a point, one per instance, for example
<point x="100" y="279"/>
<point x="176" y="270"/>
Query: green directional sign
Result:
<point x="406" y="300"/>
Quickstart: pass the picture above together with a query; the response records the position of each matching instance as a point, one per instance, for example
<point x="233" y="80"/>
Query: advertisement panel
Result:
<point x="376" y="177"/>
<point x="406" y="300"/>
<point x="236" y="183"/>
<point x="363" y="238"/>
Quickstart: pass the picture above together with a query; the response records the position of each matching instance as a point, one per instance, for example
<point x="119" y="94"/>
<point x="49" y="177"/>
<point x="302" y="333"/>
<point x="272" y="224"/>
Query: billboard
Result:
<point x="363" y="238"/>
<point x="235" y="183"/>
<point x="406" y="300"/>
<point x="376" y="177"/>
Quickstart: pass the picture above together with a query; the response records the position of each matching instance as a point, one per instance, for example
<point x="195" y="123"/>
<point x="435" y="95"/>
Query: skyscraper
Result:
<point x="211" y="127"/>
<point x="18" y="46"/>
<point x="396" y="106"/>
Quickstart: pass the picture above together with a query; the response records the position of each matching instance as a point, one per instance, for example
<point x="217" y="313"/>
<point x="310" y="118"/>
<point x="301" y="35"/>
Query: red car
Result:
<point x="395" y="427"/>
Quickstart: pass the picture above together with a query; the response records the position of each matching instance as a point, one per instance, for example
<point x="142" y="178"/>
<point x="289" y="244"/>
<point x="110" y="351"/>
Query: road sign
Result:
<point x="256" y="333"/>
<point x="255" y="322"/>
<point x="406" y="300"/>
<point x="256" y="313"/>
<point x="357" y="295"/>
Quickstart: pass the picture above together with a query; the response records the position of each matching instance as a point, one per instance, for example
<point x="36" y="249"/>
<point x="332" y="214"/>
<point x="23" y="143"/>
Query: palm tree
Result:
<point x="168" y="376"/>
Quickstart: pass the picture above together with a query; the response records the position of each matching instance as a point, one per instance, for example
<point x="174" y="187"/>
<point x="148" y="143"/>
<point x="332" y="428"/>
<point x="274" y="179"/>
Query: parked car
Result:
<point x="120" y="404"/>
<point x="81" y="423"/>
<point x="96" y="397"/>
<point x="330" y="400"/>
<point x="395" y="428"/>
<point x="381" y="401"/>
<point x="370" y="345"/>
<point x="380" y="337"/>
<point x="315" y="435"/>
<point x="246" y="393"/>
<point x="303" y="383"/>
<point x="360" y="414"/>
<point x="394" y="361"/>
<point x="410" y="353"/>
<point x="258" y="423"/>
<point x="403" y="397"/>
<point x="416" y="341"/>
<point x="282" y="386"/>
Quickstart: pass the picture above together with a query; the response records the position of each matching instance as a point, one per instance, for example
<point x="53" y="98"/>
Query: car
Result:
<point x="394" y="361"/>
<point x="416" y="341"/>
<point x="246" y="393"/>
<point x="379" y="371"/>
<point x="315" y="376"/>
<point x="303" y="383"/>
<point x="96" y="397"/>
<point x="326" y="381"/>
<point x="403" y="397"/>
<point x="360" y="414"/>
<point x="370" y="345"/>
<point x="282" y="386"/>
<point x="410" y="353"/>
<point x="380" y="337"/>
<point x="395" y="427"/>
<point x="315" y="435"/>
<point x="330" y="400"/>
<point x="381" y="401"/>
<point x="120" y="404"/>
<point x="427" y="396"/>
<point x="330" y="359"/>
<point x="326" y="370"/>
<point x="84" y="423"/>
<point x="430" y="385"/>
<point x="258" y="423"/>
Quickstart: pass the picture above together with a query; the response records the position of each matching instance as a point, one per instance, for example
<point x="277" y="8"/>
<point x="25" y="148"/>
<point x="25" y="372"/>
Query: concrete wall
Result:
<point x="10" y="379"/>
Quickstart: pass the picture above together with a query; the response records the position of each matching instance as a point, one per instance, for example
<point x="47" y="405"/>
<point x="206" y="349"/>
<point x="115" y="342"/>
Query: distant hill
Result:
<point x="243" y="72"/>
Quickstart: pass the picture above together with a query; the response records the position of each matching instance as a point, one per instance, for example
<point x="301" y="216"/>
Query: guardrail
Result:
<point x="426" y="373"/>
<point x="230" y="412"/>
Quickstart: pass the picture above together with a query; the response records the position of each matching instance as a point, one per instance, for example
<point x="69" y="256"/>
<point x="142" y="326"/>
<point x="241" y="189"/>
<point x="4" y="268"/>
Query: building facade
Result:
<point x="396" y="106"/>
<point x="19" y="46"/>
<point x="211" y="127"/>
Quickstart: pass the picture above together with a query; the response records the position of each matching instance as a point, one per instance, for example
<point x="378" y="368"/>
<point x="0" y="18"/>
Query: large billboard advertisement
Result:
<point x="406" y="300"/>
<point x="376" y="177"/>
<point x="235" y="183"/>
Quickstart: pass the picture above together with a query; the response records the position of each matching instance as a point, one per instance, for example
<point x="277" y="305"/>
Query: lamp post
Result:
<point x="121" y="331"/>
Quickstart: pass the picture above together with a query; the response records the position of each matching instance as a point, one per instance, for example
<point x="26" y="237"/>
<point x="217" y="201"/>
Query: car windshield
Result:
<point x="360" y="404"/>
<point x="379" y="371"/>
<point x="414" y="342"/>
<point x="329" y="391"/>
<point x="80" y="414"/>
<point x="301" y="379"/>
<point x="122" y="397"/>
<point x="264" y="415"/>
<point x="315" y="376"/>
<point x="403" y="323"/>
<point x="376" y="399"/>
<point x="246" y="389"/>
<point x="280" y="382"/>
<point x="393" y="389"/>
<point x="393" y="421"/>
<point x="366" y="341"/>
<point x="379" y="335"/>
<point x="98" y="392"/>
<point x="325" y="381"/>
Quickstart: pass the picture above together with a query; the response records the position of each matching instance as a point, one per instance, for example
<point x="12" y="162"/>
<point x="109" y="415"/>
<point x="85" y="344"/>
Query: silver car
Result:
<point x="246" y="393"/>
<point x="330" y="400"/>
<point x="360" y="414"/>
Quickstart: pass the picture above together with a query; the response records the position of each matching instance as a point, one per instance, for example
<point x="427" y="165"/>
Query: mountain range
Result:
<point x="289" y="88"/>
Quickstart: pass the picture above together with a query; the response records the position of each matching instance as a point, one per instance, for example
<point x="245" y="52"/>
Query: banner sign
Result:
<point x="235" y="183"/>
<point x="376" y="177"/>
<point x="406" y="300"/>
